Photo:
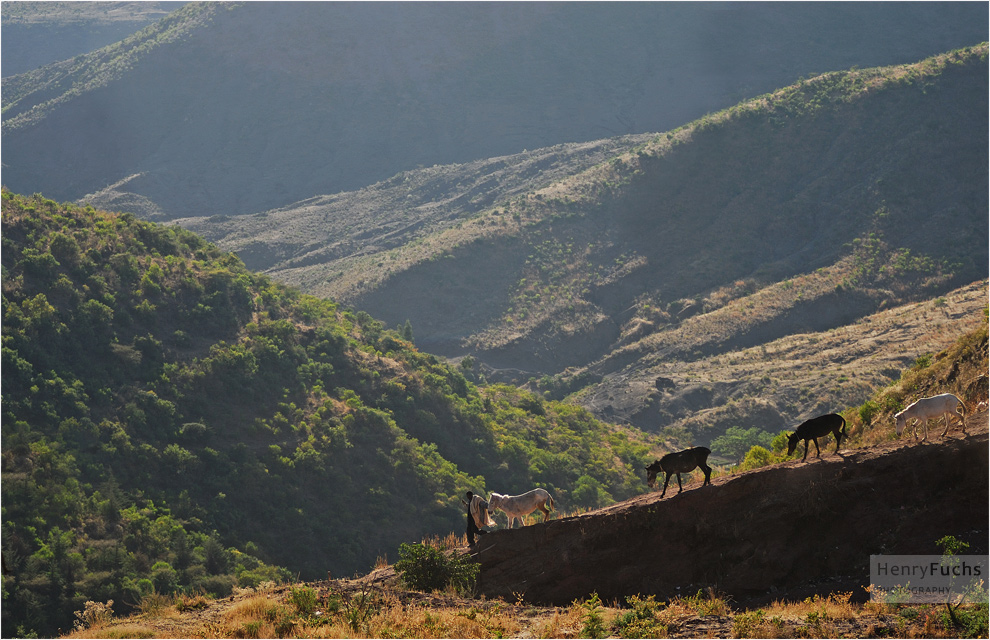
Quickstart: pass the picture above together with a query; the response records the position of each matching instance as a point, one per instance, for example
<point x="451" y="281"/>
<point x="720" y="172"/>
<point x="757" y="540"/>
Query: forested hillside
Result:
<point x="239" y="107"/>
<point x="174" y="421"/>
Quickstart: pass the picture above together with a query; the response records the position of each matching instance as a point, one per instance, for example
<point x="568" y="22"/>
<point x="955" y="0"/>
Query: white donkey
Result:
<point x="522" y="505"/>
<point x="944" y="405"/>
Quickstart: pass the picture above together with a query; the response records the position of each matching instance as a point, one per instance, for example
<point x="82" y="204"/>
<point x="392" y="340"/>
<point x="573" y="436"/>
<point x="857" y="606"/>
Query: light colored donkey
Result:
<point x="944" y="405"/>
<point x="522" y="505"/>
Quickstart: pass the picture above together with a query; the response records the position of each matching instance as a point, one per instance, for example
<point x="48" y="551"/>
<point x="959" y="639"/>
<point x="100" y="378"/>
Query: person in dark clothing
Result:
<point x="472" y="526"/>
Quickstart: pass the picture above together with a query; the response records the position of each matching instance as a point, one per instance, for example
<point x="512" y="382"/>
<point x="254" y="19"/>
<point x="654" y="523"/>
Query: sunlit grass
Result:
<point x="389" y="612"/>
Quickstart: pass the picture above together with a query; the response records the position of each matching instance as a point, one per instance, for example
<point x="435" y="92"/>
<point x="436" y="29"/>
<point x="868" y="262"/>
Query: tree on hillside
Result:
<point x="737" y="441"/>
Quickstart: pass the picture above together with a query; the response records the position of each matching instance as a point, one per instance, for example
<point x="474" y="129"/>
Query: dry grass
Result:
<point x="126" y="630"/>
<point x="780" y="383"/>
<point x="447" y="542"/>
<point x="348" y="611"/>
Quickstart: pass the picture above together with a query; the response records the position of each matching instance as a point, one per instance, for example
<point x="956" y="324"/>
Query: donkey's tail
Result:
<point x="550" y="501"/>
<point x="843" y="426"/>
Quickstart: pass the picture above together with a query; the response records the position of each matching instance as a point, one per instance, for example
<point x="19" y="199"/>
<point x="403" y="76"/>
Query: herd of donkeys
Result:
<point x="944" y="406"/>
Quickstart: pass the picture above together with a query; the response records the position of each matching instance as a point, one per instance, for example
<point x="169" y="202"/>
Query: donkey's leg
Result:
<point x="679" y="487"/>
<point x="546" y="512"/>
<point x="665" y="483"/>
<point x="708" y="474"/>
<point x="947" y="418"/>
<point x="818" y="452"/>
<point x="805" y="451"/>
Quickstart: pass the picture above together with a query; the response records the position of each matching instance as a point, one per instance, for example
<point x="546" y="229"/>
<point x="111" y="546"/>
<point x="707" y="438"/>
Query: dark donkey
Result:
<point x="681" y="462"/>
<point x="817" y="428"/>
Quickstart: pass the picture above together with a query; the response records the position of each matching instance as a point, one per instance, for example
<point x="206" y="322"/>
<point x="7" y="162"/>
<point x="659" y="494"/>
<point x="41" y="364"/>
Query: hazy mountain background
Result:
<point x="661" y="224"/>
<point x="239" y="108"/>
<point x="803" y="210"/>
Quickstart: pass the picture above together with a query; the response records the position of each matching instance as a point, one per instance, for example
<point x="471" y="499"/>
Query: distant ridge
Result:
<point x="238" y="108"/>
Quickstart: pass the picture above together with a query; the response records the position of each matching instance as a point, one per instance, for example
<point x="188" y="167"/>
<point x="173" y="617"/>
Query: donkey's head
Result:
<point x="900" y="421"/>
<point x="792" y="442"/>
<point x="651" y="473"/>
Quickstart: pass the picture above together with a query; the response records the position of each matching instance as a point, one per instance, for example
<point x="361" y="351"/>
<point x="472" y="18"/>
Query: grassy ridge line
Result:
<point x="594" y="188"/>
<point x="589" y="188"/>
<point x="303" y="242"/>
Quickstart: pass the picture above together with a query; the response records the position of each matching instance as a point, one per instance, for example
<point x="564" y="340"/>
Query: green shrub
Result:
<point x="594" y="621"/>
<point x="426" y="568"/>
<point x="868" y="411"/>
<point x="737" y="441"/>
<point x="755" y="458"/>
<point x="304" y="599"/>
<point x="642" y="620"/>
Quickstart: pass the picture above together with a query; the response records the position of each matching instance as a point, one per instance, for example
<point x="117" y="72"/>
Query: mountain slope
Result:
<point x="240" y="108"/>
<point x="172" y="421"/>
<point x="863" y="166"/>
<point x="332" y="231"/>
<point x="799" y="212"/>
<point x="40" y="33"/>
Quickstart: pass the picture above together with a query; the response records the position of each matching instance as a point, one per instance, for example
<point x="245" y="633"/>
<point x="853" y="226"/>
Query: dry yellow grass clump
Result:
<point x="363" y="608"/>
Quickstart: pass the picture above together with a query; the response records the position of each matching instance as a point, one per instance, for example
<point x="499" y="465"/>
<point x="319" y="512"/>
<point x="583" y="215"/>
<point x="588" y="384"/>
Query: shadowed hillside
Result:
<point x="40" y="33"/>
<point x="239" y="108"/>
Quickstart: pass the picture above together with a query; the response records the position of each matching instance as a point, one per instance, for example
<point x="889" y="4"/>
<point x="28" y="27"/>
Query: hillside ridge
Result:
<point x="758" y="536"/>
